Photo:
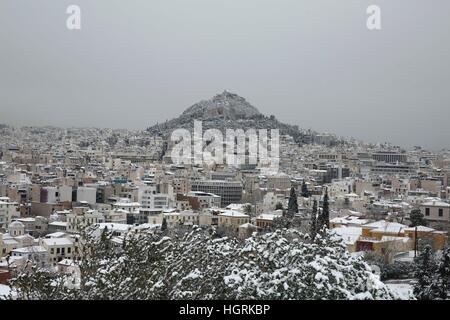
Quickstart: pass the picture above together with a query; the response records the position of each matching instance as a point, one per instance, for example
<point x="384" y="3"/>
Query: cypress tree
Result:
<point x="313" y="226"/>
<point x="324" y="215"/>
<point x="164" y="224"/>
<point x="305" y="192"/>
<point x="292" y="205"/>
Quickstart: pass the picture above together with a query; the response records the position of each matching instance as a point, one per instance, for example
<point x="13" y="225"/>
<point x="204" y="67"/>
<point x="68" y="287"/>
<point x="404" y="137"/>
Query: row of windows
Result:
<point x="61" y="250"/>
<point x="239" y="221"/>
<point x="184" y="218"/>
<point x="440" y="212"/>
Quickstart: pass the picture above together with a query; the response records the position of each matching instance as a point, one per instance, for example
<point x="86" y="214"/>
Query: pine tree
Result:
<point x="323" y="220"/>
<point x="425" y="288"/>
<point x="417" y="218"/>
<point x="305" y="192"/>
<point x="443" y="274"/>
<point x="292" y="205"/>
<point x="326" y="210"/>
<point x="313" y="225"/>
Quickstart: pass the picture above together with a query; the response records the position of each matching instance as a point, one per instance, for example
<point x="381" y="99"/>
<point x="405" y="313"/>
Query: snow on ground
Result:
<point x="404" y="288"/>
<point x="4" y="291"/>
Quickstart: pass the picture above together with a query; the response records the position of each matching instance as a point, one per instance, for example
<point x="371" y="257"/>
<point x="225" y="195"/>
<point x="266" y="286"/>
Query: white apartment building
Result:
<point x="8" y="211"/>
<point x="76" y="221"/>
<point x="436" y="211"/>
<point x="87" y="194"/>
<point x="187" y="217"/>
<point x="149" y="198"/>
<point x="233" y="219"/>
<point x="126" y="205"/>
<point x="56" y="194"/>
<point x="58" y="249"/>
<point x="115" y="216"/>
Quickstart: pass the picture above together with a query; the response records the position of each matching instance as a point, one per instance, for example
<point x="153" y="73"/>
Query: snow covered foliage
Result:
<point x="38" y="284"/>
<point x="443" y="274"/>
<point x="283" y="264"/>
<point x="433" y="275"/>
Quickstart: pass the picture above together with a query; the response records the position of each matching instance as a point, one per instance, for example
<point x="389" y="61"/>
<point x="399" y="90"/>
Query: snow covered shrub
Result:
<point x="198" y="265"/>
<point x="433" y="274"/>
<point x="283" y="264"/>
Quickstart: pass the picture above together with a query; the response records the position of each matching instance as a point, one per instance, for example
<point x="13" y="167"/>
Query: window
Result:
<point x="69" y="250"/>
<point x="52" y="250"/>
<point x="427" y="211"/>
<point x="441" y="212"/>
<point x="58" y="250"/>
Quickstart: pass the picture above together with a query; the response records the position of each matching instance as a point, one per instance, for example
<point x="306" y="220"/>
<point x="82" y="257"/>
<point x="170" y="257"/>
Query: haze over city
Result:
<point x="313" y="64"/>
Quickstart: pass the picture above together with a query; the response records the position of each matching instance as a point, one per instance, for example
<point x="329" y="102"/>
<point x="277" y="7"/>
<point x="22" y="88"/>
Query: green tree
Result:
<point x="417" y="219"/>
<point x="324" y="214"/>
<point x="292" y="205"/>
<point x="305" y="191"/>
<point x="164" y="224"/>
<point x="313" y="225"/>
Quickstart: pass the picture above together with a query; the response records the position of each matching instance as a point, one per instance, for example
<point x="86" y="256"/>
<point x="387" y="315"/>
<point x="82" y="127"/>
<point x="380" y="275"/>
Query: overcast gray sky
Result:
<point x="311" y="63"/>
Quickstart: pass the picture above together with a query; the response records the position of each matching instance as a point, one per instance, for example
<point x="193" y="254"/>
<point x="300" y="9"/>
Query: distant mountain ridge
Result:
<point x="229" y="111"/>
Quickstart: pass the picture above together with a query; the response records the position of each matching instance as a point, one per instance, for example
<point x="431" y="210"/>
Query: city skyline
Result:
<point x="311" y="64"/>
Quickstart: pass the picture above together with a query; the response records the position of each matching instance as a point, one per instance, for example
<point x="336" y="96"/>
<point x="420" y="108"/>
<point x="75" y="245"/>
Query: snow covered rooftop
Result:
<point x="234" y="214"/>
<point x="349" y="234"/>
<point x="114" y="226"/>
<point x="26" y="219"/>
<point x="58" y="224"/>
<point x="127" y="204"/>
<point x="4" y="291"/>
<point x="267" y="216"/>
<point x="236" y="206"/>
<point x="57" y="242"/>
<point x="349" y="220"/>
<point x="385" y="226"/>
<point x="420" y="228"/>
<point x="56" y="235"/>
<point x="66" y="262"/>
<point x="31" y="249"/>
<point x="436" y="204"/>
<point x="391" y="238"/>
